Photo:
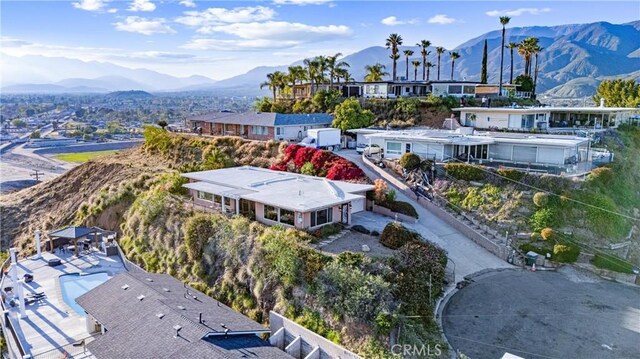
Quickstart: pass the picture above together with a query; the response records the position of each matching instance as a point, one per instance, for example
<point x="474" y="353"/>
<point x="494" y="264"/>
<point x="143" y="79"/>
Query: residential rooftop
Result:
<point x="265" y="118"/>
<point x="538" y="109"/>
<point x="457" y="137"/>
<point x="157" y="316"/>
<point x="281" y="189"/>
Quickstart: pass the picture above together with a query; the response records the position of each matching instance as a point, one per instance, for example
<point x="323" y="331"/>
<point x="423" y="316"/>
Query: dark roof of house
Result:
<point x="72" y="232"/>
<point x="143" y="327"/>
<point x="265" y="118"/>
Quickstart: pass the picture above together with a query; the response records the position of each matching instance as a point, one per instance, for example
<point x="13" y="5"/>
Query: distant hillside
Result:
<point x="580" y="52"/>
<point x="130" y="94"/>
<point x="585" y="86"/>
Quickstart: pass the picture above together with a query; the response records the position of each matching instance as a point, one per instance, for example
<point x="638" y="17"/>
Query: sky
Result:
<point x="221" y="39"/>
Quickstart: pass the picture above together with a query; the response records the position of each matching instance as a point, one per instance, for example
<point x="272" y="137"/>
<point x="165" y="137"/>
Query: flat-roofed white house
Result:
<point x="546" y="117"/>
<point x="276" y="197"/>
<point x="566" y="152"/>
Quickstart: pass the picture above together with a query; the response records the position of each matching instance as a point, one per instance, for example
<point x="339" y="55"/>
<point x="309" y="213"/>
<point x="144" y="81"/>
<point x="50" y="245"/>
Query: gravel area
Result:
<point x="353" y="241"/>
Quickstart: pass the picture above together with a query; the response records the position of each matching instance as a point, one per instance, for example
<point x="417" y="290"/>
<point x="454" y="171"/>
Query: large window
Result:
<point x="271" y="213"/>
<point x="287" y="216"/>
<point x="204" y="195"/>
<point x="217" y="199"/>
<point x="279" y="131"/>
<point x="259" y="130"/>
<point x="321" y="217"/>
<point x="394" y="148"/>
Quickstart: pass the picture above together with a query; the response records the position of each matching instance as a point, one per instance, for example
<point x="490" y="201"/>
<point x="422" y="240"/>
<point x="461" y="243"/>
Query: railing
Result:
<point x="128" y="265"/>
<point x="12" y="339"/>
<point x="77" y="349"/>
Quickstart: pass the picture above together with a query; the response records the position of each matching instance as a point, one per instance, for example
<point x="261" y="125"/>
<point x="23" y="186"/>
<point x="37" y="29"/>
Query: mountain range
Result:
<point x="575" y="58"/>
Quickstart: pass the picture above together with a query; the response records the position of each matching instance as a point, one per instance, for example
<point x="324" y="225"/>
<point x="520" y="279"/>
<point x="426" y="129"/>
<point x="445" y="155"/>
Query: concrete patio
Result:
<point x="50" y="323"/>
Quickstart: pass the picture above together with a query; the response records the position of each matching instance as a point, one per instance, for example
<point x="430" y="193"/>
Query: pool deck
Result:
<point x="51" y="323"/>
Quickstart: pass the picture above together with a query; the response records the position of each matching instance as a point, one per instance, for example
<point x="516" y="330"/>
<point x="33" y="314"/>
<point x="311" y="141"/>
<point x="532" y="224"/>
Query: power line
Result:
<point x="549" y="192"/>
<point x="605" y="256"/>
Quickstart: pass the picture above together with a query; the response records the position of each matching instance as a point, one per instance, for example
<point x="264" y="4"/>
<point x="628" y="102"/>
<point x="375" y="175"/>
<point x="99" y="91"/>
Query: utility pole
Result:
<point x="36" y="174"/>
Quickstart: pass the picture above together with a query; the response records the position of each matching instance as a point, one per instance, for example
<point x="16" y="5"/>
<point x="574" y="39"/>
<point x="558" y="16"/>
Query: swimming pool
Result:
<point x="75" y="285"/>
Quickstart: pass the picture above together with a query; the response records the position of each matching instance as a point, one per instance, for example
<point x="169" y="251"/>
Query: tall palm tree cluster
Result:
<point x="319" y="70"/>
<point x="527" y="48"/>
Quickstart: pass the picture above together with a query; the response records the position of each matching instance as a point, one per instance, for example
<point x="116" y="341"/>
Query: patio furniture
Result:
<point x="28" y="278"/>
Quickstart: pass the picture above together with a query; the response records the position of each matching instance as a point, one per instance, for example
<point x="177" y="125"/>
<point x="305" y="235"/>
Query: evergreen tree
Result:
<point x="483" y="76"/>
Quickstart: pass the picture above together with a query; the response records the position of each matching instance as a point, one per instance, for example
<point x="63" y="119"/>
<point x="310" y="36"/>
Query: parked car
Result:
<point x="374" y="149"/>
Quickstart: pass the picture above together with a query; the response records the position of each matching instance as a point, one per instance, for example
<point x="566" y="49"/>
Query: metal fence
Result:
<point x="77" y="349"/>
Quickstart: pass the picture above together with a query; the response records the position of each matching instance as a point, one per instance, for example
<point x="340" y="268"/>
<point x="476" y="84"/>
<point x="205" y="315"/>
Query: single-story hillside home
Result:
<point x="260" y="125"/>
<point x="567" y="152"/>
<point x="527" y="118"/>
<point x="276" y="197"/>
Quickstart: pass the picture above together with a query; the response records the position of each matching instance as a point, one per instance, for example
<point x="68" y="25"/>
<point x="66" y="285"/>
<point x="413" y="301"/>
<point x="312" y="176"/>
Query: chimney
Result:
<point x="601" y="102"/>
<point x="177" y="328"/>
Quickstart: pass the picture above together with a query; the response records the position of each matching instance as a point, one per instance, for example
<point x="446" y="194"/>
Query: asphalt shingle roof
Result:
<point x="303" y="119"/>
<point x="72" y="232"/>
<point x="143" y="327"/>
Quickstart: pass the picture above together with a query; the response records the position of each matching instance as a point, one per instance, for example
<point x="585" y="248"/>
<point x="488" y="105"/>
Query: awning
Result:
<point x="225" y="191"/>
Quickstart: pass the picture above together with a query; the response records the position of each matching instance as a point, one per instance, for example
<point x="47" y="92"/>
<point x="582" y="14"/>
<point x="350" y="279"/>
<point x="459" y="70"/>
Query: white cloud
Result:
<point x="141" y="5"/>
<point x="394" y="21"/>
<point x="442" y="19"/>
<point x="267" y="35"/>
<point x="301" y="2"/>
<point x="238" y="45"/>
<point x="218" y="16"/>
<point x="188" y="3"/>
<point x="112" y="11"/>
<point x="282" y="30"/>
<point x="90" y="5"/>
<point x="518" y="12"/>
<point x="144" y="26"/>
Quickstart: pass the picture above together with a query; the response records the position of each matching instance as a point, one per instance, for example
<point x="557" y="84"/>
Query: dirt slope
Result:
<point x="53" y="204"/>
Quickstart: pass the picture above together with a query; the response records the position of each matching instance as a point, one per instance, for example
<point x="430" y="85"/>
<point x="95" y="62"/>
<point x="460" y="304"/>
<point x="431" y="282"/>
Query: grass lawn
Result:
<point x="611" y="263"/>
<point x="81" y="157"/>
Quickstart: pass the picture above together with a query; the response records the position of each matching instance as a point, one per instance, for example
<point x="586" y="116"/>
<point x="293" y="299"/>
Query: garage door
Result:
<point x="357" y="205"/>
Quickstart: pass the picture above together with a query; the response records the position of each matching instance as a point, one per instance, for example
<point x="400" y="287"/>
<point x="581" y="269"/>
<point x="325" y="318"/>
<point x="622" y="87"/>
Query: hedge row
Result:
<point x="465" y="172"/>
<point x="396" y="235"/>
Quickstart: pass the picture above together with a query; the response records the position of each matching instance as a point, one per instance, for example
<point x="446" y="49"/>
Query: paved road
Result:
<point x="566" y="314"/>
<point x="466" y="254"/>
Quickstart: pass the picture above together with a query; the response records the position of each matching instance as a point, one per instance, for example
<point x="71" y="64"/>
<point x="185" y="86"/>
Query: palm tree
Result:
<point x="323" y="66"/>
<point x="429" y="66"/>
<point x="537" y="51"/>
<point x="407" y="54"/>
<point x="342" y="73"/>
<point x="275" y="81"/>
<point x="333" y="65"/>
<point x="295" y="73"/>
<point x="312" y="70"/>
<point x="511" y="46"/>
<point x="416" y="64"/>
<point x="393" y="41"/>
<point x="439" y="51"/>
<point x="454" y="56"/>
<point x="504" y="20"/>
<point x="527" y="49"/>
<point x="424" y="45"/>
<point x="375" y="73"/>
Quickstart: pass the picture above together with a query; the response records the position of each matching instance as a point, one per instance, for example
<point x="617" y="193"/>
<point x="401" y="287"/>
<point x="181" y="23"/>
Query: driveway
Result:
<point x="467" y="256"/>
<point x="565" y="314"/>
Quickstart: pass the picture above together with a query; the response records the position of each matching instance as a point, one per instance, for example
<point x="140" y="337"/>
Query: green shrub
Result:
<point x="465" y="172"/>
<point x="396" y="235"/>
<point x="307" y="169"/>
<point x="528" y="247"/>
<point x="351" y="259"/>
<point x="409" y="161"/>
<point x="312" y="320"/>
<point x="601" y="176"/>
<point x="511" y="174"/>
<point x="601" y="216"/>
<point x="390" y="196"/>
<point x="543" y="218"/>
<point x="197" y="232"/>
<point x="401" y="207"/>
<point x="610" y="262"/>
<point x="565" y="253"/>
<point x="541" y="199"/>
